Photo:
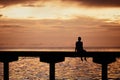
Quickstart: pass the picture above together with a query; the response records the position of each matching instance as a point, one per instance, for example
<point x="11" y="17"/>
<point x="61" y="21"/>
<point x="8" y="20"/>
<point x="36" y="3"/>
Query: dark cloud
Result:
<point x="113" y="27"/>
<point x="92" y="3"/>
<point x="1" y="15"/>
<point x="9" y="26"/>
<point x="97" y="3"/>
<point x="4" y="3"/>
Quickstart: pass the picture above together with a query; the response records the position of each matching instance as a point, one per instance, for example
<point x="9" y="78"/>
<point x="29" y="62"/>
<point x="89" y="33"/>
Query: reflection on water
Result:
<point x="30" y="68"/>
<point x="72" y="69"/>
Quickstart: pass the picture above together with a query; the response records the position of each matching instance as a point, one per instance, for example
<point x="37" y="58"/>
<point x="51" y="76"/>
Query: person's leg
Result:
<point x="84" y="52"/>
<point x="81" y="59"/>
<point x="85" y="58"/>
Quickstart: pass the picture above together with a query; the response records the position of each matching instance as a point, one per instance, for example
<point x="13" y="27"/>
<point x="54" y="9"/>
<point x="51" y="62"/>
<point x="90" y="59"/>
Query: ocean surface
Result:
<point x="30" y="68"/>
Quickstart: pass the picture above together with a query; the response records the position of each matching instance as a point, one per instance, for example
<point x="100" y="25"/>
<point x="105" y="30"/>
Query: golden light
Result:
<point x="46" y="12"/>
<point x="58" y="12"/>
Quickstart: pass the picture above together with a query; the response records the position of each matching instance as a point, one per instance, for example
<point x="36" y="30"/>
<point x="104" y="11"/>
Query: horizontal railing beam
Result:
<point x="57" y="53"/>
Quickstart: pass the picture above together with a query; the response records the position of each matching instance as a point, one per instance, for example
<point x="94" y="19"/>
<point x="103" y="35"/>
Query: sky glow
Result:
<point x="59" y="12"/>
<point x="98" y="24"/>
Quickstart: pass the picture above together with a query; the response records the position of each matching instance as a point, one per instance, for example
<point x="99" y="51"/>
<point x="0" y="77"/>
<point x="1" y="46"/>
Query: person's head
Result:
<point x="79" y="38"/>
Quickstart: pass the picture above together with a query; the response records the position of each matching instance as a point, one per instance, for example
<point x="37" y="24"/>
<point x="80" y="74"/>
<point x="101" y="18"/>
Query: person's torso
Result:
<point x="79" y="46"/>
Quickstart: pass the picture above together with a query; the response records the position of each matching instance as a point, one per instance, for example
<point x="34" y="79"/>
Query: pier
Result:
<point x="53" y="57"/>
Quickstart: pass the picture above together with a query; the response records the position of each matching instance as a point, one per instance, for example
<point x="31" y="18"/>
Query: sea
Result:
<point x="30" y="68"/>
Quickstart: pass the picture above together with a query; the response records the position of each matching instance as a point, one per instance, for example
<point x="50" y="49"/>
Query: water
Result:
<point x="99" y="49"/>
<point x="30" y="68"/>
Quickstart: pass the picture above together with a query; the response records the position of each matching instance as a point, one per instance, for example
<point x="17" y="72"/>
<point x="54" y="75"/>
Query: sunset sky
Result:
<point x="58" y="23"/>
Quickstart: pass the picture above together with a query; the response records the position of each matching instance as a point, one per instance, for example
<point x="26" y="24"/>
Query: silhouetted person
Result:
<point x="79" y="48"/>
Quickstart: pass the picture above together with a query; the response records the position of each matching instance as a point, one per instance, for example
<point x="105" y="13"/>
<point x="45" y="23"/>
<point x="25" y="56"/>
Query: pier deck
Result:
<point x="52" y="57"/>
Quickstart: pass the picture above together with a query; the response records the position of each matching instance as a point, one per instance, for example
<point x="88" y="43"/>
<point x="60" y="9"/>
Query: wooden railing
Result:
<point x="52" y="57"/>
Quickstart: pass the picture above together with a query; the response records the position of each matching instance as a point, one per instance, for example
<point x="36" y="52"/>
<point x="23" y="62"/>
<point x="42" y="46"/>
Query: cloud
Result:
<point x="92" y="3"/>
<point x="32" y="5"/>
<point x="4" y="3"/>
<point x="97" y="3"/>
<point x="112" y="27"/>
<point x="10" y="26"/>
<point x="1" y="15"/>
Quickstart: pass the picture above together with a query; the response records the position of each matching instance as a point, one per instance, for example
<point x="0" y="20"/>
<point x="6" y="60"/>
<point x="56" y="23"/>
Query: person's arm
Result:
<point x="82" y="45"/>
<point x="76" y="47"/>
<point x="83" y="48"/>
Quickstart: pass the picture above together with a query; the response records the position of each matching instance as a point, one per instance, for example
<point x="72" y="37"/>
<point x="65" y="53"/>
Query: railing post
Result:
<point x="52" y="60"/>
<point x="104" y="72"/>
<point x="6" y="70"/>
<point x="104" y="61"/>
<point x="52" y="71"/>
<point x="6" y="59"/>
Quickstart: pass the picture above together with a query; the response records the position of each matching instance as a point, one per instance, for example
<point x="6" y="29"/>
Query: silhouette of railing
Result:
<point x="53" y="57"/>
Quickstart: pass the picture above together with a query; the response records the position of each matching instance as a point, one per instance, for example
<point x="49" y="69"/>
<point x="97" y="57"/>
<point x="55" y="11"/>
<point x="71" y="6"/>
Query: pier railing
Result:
<point x="52" y="57"/>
